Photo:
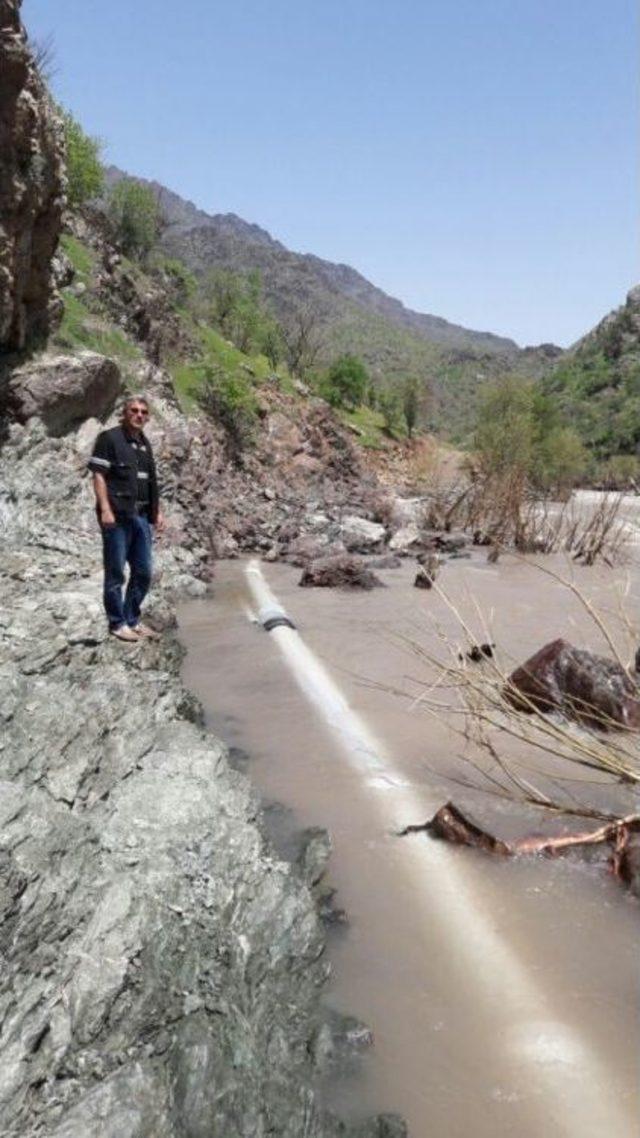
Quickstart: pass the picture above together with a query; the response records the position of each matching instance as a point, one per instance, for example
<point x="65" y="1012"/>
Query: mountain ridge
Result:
<point x="183" y="216"/>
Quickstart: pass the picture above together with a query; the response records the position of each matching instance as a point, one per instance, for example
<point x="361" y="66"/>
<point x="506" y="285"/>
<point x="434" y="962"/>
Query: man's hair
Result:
<point x="134" y="399"/>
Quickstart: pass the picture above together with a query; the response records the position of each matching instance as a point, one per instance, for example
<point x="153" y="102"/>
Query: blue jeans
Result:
<point x="126" y="542"/>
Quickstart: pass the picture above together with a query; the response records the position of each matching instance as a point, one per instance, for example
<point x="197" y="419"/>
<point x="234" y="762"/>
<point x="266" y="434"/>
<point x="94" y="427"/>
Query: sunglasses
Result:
<point x="139" y="411"/>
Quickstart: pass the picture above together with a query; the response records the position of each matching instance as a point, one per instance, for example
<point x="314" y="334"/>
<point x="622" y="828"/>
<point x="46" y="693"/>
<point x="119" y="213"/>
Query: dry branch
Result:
<point x="449" y="824"/>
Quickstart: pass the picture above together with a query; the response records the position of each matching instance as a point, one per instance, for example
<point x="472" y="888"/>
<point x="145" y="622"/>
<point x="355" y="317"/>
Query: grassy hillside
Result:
<point x="597" y="383"/>
<point x="92" y="317"/>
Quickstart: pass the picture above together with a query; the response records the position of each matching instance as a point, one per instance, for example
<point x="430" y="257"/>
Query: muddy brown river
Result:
<point x="503" y="996"/>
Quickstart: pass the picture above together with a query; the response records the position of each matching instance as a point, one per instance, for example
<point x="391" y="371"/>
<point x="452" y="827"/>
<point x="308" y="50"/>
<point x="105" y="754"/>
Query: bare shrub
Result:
<point x="529" y="757"/>
<point x="504" y="512"/>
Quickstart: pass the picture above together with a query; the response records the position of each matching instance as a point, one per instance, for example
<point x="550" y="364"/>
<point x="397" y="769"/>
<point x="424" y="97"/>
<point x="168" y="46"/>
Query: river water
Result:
<point x="503" y="995"/>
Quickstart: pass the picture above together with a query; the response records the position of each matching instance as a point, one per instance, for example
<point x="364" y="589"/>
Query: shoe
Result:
<point x="125" y="633"/>
<point x="144" y="632"/>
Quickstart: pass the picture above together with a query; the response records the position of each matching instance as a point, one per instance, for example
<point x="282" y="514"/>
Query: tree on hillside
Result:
<point x="85" y="174"/>
<point x="135" y="215"/>
<point x="272" y="342"/>
<point x="504" y="436"/>
<point x="303" y="340"/>
<point x="411" y="391"/>
<point x="520" y="436"/>
<point x="222" y="289"/>
<point x="236" y="306"/>
<point x="389" y="405"/>
<point x="345" y="383"/>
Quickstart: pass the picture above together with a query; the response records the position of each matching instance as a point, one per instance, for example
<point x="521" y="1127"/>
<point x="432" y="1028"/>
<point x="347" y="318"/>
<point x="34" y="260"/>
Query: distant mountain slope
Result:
<point x="356" y="316"/>
<point x="211" y="239"/>
<point x="597" y="382"/>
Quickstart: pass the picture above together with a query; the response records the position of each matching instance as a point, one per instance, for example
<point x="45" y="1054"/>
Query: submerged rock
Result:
<point x="385" y="561"/>
<point x="310" y="547"/>
<point x="444" y="541"/>
<point x="341" y="572"/>
<point x="427" y="572"/>
<point x="581" y="684"/>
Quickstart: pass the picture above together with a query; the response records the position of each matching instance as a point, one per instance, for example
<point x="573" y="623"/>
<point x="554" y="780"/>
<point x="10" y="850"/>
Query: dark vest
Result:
<point x="122" y="478"/>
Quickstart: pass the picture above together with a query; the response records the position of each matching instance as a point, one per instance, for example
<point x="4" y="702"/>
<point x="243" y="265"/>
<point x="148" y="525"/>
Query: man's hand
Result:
<point x="160" y="522"/>
<point x="107" y="516"/>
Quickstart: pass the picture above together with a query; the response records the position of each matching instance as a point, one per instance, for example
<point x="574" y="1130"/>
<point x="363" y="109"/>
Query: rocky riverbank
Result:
<point x="161" y="967"/>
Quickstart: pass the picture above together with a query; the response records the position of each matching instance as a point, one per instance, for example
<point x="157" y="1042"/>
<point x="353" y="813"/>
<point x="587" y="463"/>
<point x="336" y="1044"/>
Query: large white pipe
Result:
<point x="578" y="1101"/>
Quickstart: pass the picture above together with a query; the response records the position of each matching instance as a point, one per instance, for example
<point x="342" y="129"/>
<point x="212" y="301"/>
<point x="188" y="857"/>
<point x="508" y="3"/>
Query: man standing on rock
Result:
<point x="127" y="504"/>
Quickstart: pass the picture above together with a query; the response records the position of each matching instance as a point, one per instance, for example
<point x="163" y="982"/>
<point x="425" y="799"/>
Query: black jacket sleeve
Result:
<point x="103" y="454"/>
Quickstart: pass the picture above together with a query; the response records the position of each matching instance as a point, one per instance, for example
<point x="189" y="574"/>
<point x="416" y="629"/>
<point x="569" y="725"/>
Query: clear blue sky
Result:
<point x="476" y="158"/>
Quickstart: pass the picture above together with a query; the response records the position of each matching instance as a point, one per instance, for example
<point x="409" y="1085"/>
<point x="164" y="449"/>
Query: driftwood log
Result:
<point x="449" y="824"/>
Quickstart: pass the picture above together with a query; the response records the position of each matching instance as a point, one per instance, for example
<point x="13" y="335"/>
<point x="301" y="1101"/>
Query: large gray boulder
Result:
<point x="405" y="538"/>
<point x="359" y="535"/>
<point x="64" y="390"/>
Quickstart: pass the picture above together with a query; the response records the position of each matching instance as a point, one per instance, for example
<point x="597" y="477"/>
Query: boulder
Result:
<point x="359" y="535"/>
<point x="422" y="579"/>
<point x="309" y="547"/>
<point x="404" y="538"/>
<point x="443" y="541"/>
<point x="386" y="561"/>
<point x="63" y="391"/>
<point x="406" y="511"/>
<point x="584" y="686"/>
<point x="343" y="572"/>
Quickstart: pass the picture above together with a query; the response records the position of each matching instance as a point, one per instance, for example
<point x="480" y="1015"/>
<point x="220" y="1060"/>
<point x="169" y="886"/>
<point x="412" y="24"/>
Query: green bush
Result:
<point x="619" y="471"/>
<point x="229" y="399"/>
<point x="560" y="462"/>
<point x="504" y="435"/>
<point x="345" y="383"/>
<point x="235" y="305"/>
<point x="181" y="280"/>
<point x="390" y="407"/>
<point x="85" y="174"/>
<point x="520" y="435"/>
<point x="135" y="216"/>
<point x="411" y="391"/>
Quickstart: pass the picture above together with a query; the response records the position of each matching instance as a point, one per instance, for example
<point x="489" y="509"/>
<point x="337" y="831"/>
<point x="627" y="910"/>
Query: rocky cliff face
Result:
<point x="31" y="190"/>
<point x="160" y="966"/>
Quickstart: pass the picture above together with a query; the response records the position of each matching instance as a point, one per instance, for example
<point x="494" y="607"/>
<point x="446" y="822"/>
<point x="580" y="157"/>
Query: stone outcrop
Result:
<point x="581" y="684"/>
<point x="160" y="963"/>
<point x="63" y="391"/>
<point x="31" y="190"/>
